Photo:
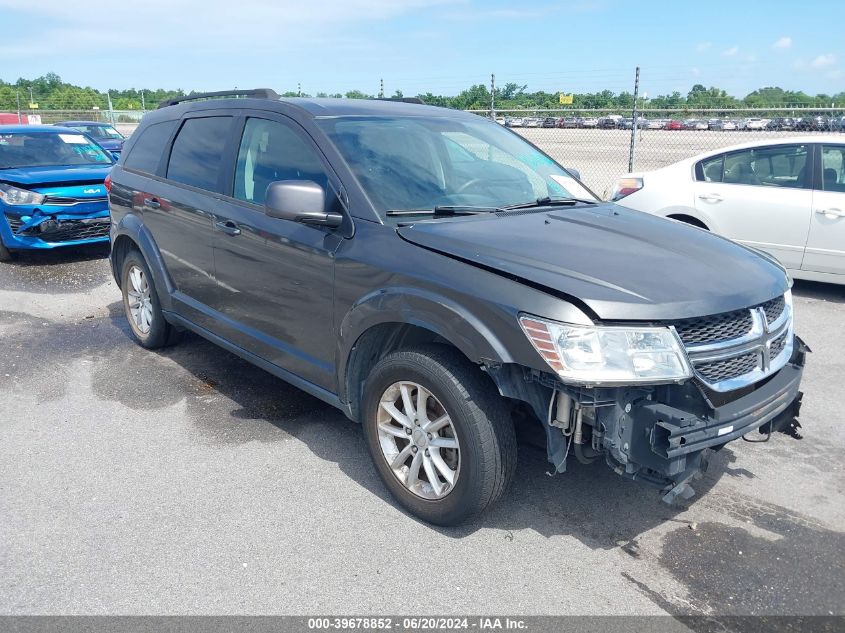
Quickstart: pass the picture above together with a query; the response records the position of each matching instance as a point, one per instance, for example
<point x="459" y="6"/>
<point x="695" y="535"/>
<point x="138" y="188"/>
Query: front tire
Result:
<point x="141" y="304"/>
<point x="5" y="253"/>
<point x="439" y="433"/>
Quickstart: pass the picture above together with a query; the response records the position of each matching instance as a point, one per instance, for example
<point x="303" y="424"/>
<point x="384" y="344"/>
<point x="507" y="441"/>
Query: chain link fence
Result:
<point x="602" y="145"/>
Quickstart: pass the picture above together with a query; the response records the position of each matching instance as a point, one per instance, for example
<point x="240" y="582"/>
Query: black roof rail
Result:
<point x="402" y="99"/>
<point x="258" y="93"/>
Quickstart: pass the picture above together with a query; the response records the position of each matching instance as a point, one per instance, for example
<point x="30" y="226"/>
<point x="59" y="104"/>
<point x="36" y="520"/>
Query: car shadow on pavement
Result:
<point x="60" y="256"/>
<point x="835" y="293"/>
<point x="265" y="408"/>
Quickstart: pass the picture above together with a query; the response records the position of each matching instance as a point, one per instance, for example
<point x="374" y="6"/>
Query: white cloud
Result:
<point x="822" y="61"/>
<point x="730" y="52"/>
<point x="784" y="42"/>
<point x="695" y="71"/>
<point x="703" y="46"/>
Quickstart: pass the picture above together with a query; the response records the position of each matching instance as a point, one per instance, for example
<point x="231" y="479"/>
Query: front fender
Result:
<point x="131" y="227"/>
<point x="421" y="308"/>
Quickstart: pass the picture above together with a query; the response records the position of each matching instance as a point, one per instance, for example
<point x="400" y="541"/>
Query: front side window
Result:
<point x="833" y="168"/>
<point x="48" y="149"/>
<point x="774" y="166"/>
<point x="411" y="163"/>
<point x="146" y="151"/>
<point x="198" y="152"/>
<point x="271" y="151"/>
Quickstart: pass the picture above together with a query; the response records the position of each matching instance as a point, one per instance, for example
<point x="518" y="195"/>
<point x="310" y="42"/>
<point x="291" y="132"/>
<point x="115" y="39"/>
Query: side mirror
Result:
<point x="302" y="201"/>
<point x="574" y="172"/>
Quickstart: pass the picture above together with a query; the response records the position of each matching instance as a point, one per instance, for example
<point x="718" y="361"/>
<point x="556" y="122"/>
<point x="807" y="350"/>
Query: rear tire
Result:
<point x="141" y="304"/>
<point x="457" y="440"/>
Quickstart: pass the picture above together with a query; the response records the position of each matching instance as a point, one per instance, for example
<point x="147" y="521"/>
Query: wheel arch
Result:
<point x="395" y="319"/>
<point x="132" y="234"/>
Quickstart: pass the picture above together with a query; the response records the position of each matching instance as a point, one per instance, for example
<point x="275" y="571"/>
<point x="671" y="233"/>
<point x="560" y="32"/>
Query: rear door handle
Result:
<point x="152" y="203"/>
<point x="710" y="197"/>
<point x="228" y="227"/>
<point x="833" y="212"/>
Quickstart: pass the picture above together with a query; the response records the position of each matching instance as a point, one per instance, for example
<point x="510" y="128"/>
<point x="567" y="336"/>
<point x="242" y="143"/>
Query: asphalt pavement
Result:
<point x="186" y="481"/>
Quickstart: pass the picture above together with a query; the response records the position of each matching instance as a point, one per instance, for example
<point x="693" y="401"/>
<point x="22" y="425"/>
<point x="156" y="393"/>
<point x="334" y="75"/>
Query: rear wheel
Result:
<point x="141" y="304"/>
<point x="439" y="433"/>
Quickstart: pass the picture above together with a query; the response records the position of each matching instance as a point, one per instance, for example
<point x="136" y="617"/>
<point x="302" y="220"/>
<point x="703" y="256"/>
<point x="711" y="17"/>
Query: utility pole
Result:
<point x="31" y="100"/>
<point x="298" y="90"/>
<point x="18" y="98"/>
<point x="111" y="109"/>
<point x="143" y="105"/>
<point x="634" y="122"/>
<point x="381" y="89"/>
<point x="492" y="96"/>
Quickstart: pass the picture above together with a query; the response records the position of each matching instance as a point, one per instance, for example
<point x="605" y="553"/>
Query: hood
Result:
<point x="623" y="264"/>
<point x="52" y="176"/>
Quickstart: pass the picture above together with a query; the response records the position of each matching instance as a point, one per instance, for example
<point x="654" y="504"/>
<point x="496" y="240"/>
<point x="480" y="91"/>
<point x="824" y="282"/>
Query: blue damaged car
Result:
<point x="52" y="189"/>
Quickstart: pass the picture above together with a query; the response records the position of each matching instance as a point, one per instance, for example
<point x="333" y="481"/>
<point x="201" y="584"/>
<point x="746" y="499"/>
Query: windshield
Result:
<point x="423" y="163"/>
<point x="99" y="132"/>
<point x="46" y="149"/>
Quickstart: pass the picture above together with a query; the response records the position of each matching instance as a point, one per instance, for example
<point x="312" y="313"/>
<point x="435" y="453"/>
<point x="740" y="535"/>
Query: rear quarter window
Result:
<point x="197" y="152"/>
<point x="146" y="152"/>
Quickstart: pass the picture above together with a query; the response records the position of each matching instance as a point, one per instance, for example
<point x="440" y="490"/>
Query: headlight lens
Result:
<point x="14" y="196"/>
<point x="608" y="355"/>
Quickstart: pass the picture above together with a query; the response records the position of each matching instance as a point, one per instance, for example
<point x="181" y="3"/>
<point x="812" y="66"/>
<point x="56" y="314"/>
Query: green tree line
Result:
<point x="51" y="93"/>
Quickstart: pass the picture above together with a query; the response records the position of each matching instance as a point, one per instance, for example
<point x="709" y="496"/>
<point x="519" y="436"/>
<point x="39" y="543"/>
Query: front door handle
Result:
<point x="831" y="213"/>
<point x="152" y="203"/>
<point x="228" y="227"/>
<point x="710" y="197"/>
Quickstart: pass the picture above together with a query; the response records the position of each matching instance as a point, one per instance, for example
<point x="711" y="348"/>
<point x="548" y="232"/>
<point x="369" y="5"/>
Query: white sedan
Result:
<point x="784" y="196"/>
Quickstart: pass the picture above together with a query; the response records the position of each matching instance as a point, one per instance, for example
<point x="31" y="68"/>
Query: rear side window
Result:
<point x="146" y="151"/>
<point x="198" y="151"/>
<point x="833" y="168"/>
<point x="710" y="169"/>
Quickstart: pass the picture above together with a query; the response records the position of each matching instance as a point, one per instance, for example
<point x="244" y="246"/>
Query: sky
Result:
<point x="417" y="46"/>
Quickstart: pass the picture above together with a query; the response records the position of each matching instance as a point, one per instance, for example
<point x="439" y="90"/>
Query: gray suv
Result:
<point x="442" y="281"/>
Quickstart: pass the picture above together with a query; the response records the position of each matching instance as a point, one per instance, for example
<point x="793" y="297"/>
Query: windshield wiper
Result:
<point x="444" y="210"/>
<point x="549" y="202"/>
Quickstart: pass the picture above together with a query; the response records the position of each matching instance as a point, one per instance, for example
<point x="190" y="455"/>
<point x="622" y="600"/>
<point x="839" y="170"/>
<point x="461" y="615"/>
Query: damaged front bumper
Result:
<point x="46" y="227"/>
<point x="658" y="434"/>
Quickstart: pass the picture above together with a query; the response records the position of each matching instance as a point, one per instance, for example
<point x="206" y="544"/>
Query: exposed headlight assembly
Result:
<point x="608" y="355"/>
<point x="14" y="196"/>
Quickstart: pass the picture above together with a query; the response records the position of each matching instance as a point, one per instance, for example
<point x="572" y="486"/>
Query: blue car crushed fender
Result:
<point x="52" y="191"/>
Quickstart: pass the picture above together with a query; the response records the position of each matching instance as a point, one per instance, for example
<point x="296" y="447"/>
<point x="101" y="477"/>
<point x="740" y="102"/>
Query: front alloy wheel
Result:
<point x="439" y="433"/>
<point x="418" y="440"/>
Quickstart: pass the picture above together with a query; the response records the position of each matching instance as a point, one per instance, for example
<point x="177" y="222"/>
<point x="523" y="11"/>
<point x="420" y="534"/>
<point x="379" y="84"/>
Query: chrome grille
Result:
<point x="712" y="329"/>
<point x="719" y="370"/>
<point x="735" y="349"/>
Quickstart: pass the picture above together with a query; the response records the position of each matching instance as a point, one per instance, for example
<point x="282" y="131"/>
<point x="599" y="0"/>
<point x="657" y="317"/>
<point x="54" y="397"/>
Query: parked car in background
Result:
<point x="533" y="122"/>
<point x="589" y="121"/>
<point x="695" y="124"/>
<point x="815" y="123"/>
<point x="722" y="124"/>
<point x="754" y="124"/>
<point x="655" y="124"/>
<point x="781" y="123"/>
<point x="567" y="122"/>
<point x="782" y="196"/>
<point x="672" y="124"/>
<point x="609" y="122"/>
<point x="500" y="120"/>
<point x="52" y="191"/>
<point x="550" y="121"/>
<point x="104" y="133"/>
<point x="515" y="122"/>
<point x="380" y="257"/>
